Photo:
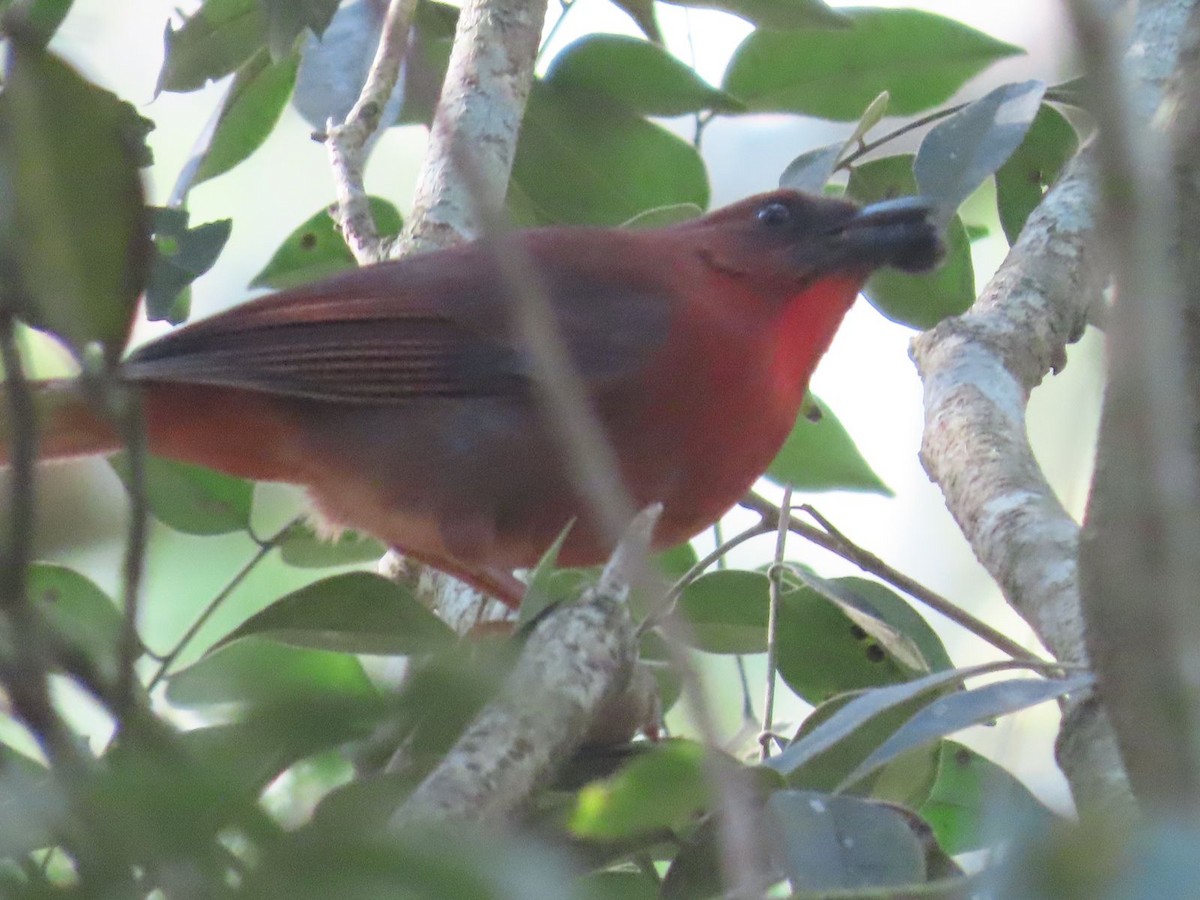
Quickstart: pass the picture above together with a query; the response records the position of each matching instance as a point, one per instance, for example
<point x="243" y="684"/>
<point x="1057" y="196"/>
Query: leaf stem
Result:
<point x="865" y="147"/>
<point x="768" y="722"/>
<point x="264" y="548"/>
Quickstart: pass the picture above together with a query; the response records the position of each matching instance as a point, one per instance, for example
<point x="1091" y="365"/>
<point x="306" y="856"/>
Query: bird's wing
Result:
<point x="431" y="325"/>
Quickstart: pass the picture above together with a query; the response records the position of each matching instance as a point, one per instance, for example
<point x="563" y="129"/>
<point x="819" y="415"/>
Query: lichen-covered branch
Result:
<point x="349" y="143"/>
<point x="578" y="658"/>
<point x="478" y="120"/>
<point x="978" y="370"/>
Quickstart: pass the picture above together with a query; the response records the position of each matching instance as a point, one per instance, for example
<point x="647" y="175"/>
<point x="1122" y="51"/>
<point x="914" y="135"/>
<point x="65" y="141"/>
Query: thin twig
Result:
<point x="839" y="545"/>
<point x="768" y="721"/>
<point x="717" y="556"/>
<point x="129" y="417"/>
<point x="349" y="142"/>
<point x="24" y="660"/>
<point x="265" y="547"/>
<point x="866" y="147"/>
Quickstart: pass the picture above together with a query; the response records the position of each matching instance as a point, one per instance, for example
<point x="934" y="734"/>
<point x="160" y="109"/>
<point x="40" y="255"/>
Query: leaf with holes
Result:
<point x="316" y="249"/>
<point x="820" y="455"/>
<point x="1022" y="181"/>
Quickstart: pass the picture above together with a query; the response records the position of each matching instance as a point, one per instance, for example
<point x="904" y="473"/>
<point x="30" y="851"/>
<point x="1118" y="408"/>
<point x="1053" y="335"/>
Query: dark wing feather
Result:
<point x="432" y="325"/>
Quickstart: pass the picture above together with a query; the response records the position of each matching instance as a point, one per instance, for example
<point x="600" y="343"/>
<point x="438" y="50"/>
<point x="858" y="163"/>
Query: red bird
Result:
<point x="399" y="395"/>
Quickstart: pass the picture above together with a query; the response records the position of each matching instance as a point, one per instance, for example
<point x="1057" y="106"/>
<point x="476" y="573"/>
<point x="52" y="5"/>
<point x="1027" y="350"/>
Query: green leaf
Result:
<point x="257" y="671"/>
<point x="35" y="20"/>
<point x="251" y="107"/>
<point x="542" y="593"/>
<point x="821" y="456"/>
<point x="211" y="43"/>
<point x="920" y="58"/>
<point x="871" y="117"/>
<point x="809" y="171"/>
<point x="316" y="249"/>
<point x="974" y="801"/>
<point x="830" y="843"/>
<point x="287" y="18"/>
<point x="907" y="780"/>
<point x="727" y="610"/>
<point x="823" y="651"/>
<point x="596" y="164"/>
<point x="778" y="14"/>
<point x="181" y="256"/>
<point x="677" y="561"/>
<point x="634" y="74"/>
<point x="192" y="499"/>
<point x="642" y="13"/>
<point x="79" y="612"/>
<point x="1020" y="183"/>
<point x="249" y="753"/>
<point x="356" y="612"/>
<point x="960" y="152"/>
<point x="34" y="809"/>
<point x="303" y="548"/>
<point x="664" y="788"/>
<point x="73" y="224"/>
<point x="866" y="707"/>
<point x="964" y="708"/>
<point x="919" y="301"/>
<point x="886" y="605"/>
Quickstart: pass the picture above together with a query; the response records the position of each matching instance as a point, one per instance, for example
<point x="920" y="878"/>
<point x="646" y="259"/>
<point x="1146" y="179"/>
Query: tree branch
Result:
<point x="578" y="657"/>
<point x="978" y="370"/>
<point x="1142" y="541"/>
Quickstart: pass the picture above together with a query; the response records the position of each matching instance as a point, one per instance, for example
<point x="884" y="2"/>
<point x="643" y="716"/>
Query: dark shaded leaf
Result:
<point x="664" y="788"/>
<point x="964" y="708"/>
<point x="316" y="249"/>
<point x="642" y="13"/>
<point x="334" y="67"/>
<point x="960" y="152"/>
<point x="305" y="549"/>
<point x="249" y="753"/>
<point x="821" y="456"/>
<point x="695" y="872"/>
<point x="74" y="229"/>
<point x="781" y="14"/>
<point x="869" y="704"/>
<point x="728" y="611"/>
<point x="356" y="612"/>
<point x="907" y="780"/>
<point x="181" y="256"/>
<point x="192" y="499"/>
<point x="975" y="803"/>
<point x="596" y="164"/>
<point x="1021" y="182"/>
<point x="287" y="18"/>
<point x="211" y="43"/>
<point x="256" y="671"/>
<point x="823" y="651"/>
<point x="828" y="843"/>
<point x="636" y="75"/>
<point x="425" y="63"/>
<point x="81" y="614"/>
<point x="920" y="58"/>
<point x="919" y="301"/>
<point x="251" y="108"/>
<point x="35" y="20"/>
<point x="33" y="805"/>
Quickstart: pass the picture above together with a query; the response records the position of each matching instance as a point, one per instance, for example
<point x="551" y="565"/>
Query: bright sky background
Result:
<point x="867" y="377"/>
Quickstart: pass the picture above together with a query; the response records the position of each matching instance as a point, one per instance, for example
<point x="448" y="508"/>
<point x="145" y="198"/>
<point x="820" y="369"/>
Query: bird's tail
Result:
<point x="67" y="427"/>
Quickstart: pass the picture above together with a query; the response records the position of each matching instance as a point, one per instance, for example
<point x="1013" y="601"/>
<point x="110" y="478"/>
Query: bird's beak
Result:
<point x="900" y="232"/>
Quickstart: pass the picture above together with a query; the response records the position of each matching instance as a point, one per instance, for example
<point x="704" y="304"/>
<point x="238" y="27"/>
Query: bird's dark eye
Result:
<point x="774" y="214"/>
